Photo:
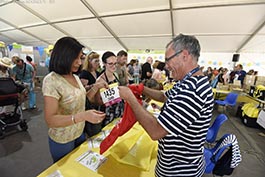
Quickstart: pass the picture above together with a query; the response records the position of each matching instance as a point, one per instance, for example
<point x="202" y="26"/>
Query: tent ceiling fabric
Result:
<point x="220" y="25"/>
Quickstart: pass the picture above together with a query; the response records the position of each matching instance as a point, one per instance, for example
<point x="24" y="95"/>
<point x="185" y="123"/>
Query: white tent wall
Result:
<point x="223" y="27"/>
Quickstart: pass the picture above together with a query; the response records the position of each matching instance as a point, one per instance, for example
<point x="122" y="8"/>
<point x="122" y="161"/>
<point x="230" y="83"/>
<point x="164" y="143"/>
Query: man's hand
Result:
<point x="125" y="93"/>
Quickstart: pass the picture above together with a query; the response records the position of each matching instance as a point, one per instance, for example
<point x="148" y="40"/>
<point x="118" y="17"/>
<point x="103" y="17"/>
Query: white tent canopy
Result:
<point x="220" y="25"/>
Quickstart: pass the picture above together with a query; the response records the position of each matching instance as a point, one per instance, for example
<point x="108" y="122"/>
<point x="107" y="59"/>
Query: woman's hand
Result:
<point x="100" y="83"/>
<point x="93" y="116"/>
<point x="84" y="82"/>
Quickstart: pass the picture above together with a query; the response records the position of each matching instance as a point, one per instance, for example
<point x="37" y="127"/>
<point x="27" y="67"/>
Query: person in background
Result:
<point x="121" y="69"/>
<point x="157" y="74"/>
<point x="225" y="76"/>
<point x="147" y="69"/>
<point x="88" y="76"/>
<point x="215" y="72"/>
<point x="240" y="73"/>
<point x="217" y="78"/>
<point x="130" y="66"/>
<point x="209" y="73"/>
<point x="232" y="75"/>
<point x="250" y="72"/>
<point x="220" y="79"/>
<point x="5" y="67"/>
<point x="30" y="61"/>
<point x="64" y="99"/>
<point x="89" y="72"/>
<point x="108" y="75"/>
<point x="185" y="117"/>
<point x="25" y="74"/>
<point x="47" y="60"/>
<point x="137" y="70"/>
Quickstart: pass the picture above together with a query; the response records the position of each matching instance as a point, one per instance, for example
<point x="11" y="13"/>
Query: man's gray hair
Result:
<point x="187" y="42"/>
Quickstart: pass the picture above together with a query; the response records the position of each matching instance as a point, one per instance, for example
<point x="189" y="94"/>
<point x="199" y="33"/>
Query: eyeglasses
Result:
<point x="112" y="64"/>
<point x="95" y="60"/>
<point x="172" y="56"/>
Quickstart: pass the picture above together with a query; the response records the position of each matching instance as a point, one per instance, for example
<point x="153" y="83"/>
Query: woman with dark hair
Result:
<point x="64" y="99"/>
<point x="108" y="75"/>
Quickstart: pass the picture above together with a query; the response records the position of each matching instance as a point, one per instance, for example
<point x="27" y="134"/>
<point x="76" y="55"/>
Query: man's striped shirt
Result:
<point x="186" y="117"/>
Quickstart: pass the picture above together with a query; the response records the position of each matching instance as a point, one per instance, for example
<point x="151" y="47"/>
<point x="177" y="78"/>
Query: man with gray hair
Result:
<point x="182" y="124"/>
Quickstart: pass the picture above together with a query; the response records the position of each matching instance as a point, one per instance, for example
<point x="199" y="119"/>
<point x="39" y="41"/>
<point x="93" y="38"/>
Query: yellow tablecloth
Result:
<point x="220" y="94"/>
<point x="119" y="163"/>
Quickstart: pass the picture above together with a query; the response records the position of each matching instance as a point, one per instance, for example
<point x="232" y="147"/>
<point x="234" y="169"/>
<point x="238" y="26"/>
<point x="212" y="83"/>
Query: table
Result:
<point x="261" y="102"/>
<point x="217" y="93"/>
<point x="70" y="167"/>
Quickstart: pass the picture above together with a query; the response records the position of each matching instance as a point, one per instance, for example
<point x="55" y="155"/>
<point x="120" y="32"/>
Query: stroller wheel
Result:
<point x="23" y="125"/>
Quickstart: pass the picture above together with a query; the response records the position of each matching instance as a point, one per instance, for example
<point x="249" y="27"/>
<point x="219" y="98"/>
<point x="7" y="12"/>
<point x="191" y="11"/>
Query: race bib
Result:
<point x="110" y="96"/>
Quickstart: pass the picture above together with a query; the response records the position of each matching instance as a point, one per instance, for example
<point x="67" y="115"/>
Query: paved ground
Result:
<point x="25" y="154"/>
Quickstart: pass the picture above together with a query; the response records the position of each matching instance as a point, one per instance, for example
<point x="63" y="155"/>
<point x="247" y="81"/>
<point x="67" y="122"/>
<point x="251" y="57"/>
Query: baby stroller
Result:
<point x="9" y="96"/>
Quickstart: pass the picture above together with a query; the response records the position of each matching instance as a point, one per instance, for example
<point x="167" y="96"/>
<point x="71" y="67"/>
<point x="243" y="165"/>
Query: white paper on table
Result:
<point x="91" y="160"/>
<point x="94" y="142"/>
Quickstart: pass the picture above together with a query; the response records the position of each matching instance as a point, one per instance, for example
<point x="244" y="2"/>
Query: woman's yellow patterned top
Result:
<point x="71" y="101"/>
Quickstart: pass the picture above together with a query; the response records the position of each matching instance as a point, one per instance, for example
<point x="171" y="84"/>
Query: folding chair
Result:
<point x="230" y="100"/>
<point x="217" y="165"/>
<point x="214" y="128"/>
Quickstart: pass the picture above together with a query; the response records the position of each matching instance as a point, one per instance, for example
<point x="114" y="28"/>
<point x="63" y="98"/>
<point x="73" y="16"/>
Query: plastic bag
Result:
<point x="134" y="148"/>
<point x="250" y="109"/>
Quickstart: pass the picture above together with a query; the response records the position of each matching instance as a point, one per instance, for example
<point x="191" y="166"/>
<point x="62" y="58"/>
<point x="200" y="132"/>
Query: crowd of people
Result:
<point x="80" y="76"/>
<point x="189" y="104"/>
<point x="223" y="76"/>
<point x="74" y="110"/>
<point x="23" y="73"/>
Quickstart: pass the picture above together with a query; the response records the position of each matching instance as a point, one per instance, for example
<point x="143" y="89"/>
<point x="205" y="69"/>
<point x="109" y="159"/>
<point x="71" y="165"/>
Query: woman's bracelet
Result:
<point x="73" y="119"/>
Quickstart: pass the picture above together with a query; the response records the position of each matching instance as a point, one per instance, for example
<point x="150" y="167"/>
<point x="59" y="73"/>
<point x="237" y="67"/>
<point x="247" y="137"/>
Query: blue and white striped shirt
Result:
<point x="186" y="117"/>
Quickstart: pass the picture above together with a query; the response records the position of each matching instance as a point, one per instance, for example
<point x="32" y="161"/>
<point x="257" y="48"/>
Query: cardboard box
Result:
<point x="249" y="80"/>
<point x="223" y="87"/>
<point x="260" y="78"/>
<point x="234" y="86"/>
<point x="260" y="82"/>
<point x="237" y="83"/>
<point x="246" y="88"/>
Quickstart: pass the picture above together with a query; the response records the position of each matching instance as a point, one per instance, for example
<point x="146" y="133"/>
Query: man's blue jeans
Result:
<point x="32" y="95"/>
